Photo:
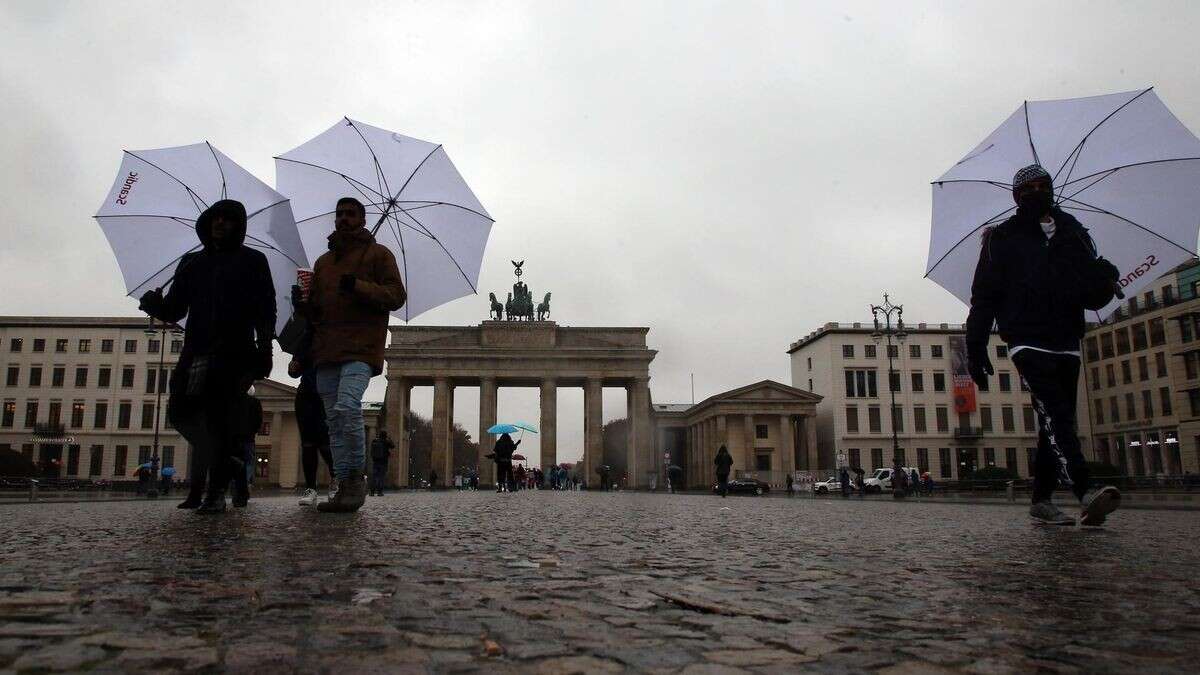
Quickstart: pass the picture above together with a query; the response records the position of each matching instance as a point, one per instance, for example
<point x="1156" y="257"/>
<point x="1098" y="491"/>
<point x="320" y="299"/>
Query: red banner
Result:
<point x="964" y="387"/>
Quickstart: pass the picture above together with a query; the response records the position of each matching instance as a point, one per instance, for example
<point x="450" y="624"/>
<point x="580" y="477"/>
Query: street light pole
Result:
<point x="159" y="386"/>
<point x="887" y="331"/>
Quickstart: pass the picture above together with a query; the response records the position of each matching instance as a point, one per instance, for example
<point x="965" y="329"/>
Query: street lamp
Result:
<point x="159" y="386"/>
<point x="885" y="332"/>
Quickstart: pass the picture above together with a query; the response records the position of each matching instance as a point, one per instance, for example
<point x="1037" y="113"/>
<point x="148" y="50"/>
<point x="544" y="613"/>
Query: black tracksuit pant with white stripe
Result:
<point x="1052" y="380"/>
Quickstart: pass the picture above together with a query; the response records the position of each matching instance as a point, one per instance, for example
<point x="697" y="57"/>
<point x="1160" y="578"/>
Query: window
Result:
<point x="16" y="344"/>
<point x="1106" y="346"/>
<point x="762" y="461"/>
<point x="809" y="359"/>
<point x="60" y="345"/>
<point x="898" y="418"/>
<point x="147" y="415"/>
<point x="96" y="460"/>
<point x="124" y="410"/>
<point x="1185" y="330"/>
<point x="898" y="457"/>
<point x="57" y="375"/>
<point x="810" y="384"/>
<point x="39" y="345"/>
<point x="919" y="419"/>
<point x="153" y="346"/>
<point x="168" y="455"/>
<point x="177" y="346"/>
<point x="1164" y="401"/>
<point x="77" y="415"/>
<point x="131" y="346"/>
<point x="1006" y="418"/>
<point x="102" y="380"/>
<point x="939" y="382"/>
<point x="85" y="345"/>
<point x="106" y="346"/>
<point x="876" y="458"/>
<point x="1139" y="336"/>
<point x="120" y="460"/>
<point x="10" y="413"/>
<point x="869" y="351"/>
<point x="918" y="382"/>
<point x="914" y="351"/>
<point x="986" y="386"/>
<point x="1010" y="459"/>
<point x="873" y="423"/>
<point x="1099" y="412"/>
<point x="1122" y="341"/>
<point x="1143" y="368"/>
<point x="760" y="431"/>
<point x="894" y="381"/>
<point x="861" y="384"/>
<point x="143" y="454"/>
<point x="81" y="376"/>
<point x="1002" y="351"/>
<point x="944" y="462"/>
<point x="1029" y="456"/>
<point x="852" y="419"/>
<point x="1130" y="408"/>
<point x="1147" y="403"/>
<point x="1194" y="401"/>
<point x="893" y="351"/>
<point x="1095" y="379"/>
<point x="151" y="379"/>
<point x="100" y="418"/>
<point x="847" y="351"/>
<point x="989" y="457"/>
<point x="1110" y="373"/>
<point x="14" y="374"/>
<point x="1160" y="364"/>
<point x="35" y="376"/>
<point x="72" y="460"/>
<point x="943" y="418"/>
<point x="55" y="413"/>
<point x="1157" y="336"/>
<point x="935" y="351"/>
<point x="1027" y="416"/>
<point x="922" y="459"/>
<point x="1005" y="381"/>
<point x="1190" y="365"/>
<point x="1093" y="348"/>
<point x="127" y="377"/>
<point x="985" y="418"/>
<point x="1126" y="372"/>
<point x="1114" y="411"/>
<point x="31" y="413"/>
<point x="855" y="457"/>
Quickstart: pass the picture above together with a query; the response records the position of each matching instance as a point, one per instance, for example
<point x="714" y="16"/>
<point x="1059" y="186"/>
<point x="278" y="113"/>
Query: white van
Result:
<point x="882" y="479"/>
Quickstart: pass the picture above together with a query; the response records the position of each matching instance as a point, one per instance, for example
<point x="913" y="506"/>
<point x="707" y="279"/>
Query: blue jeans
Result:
<point x="341" y="387"/>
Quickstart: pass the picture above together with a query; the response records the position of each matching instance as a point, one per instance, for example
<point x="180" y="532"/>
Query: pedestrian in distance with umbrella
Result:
<point x="226" y="293"/>
<point x="355" y="285"/>
<point x="1037" y="273"/>
<point x="502" y="456"/>
<point x="723" y="462"/>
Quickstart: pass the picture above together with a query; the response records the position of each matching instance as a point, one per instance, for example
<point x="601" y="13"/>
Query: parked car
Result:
<point x="882" y="479"/>
<point x="831" y="484"/>
<point x="748" y="486"/>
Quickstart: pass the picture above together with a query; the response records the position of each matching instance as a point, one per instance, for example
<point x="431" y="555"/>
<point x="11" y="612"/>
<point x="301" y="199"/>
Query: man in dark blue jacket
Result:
<point x="1038" y="271"/>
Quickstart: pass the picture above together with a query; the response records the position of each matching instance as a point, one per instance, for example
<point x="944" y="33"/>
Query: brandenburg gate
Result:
<point x="538" y="354"/>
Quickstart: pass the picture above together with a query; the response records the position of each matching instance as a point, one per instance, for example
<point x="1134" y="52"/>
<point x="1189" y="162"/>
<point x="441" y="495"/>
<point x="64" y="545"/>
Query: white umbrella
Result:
<point x="149" y="216"/>
<point x="417" y="205"/>
<point x="1122" y="164"/>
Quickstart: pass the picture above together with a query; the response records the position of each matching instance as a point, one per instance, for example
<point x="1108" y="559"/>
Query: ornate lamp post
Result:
<point x="887" y="331"/>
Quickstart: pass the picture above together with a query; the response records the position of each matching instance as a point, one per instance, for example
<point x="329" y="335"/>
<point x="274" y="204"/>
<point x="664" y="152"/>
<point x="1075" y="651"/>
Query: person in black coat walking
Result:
<point x="1038" y="272"/>
<point x="502" y="456"/>
<point x="226" y="293"/>
<point x="723" y="462"/>
<point x="381" y="449"/>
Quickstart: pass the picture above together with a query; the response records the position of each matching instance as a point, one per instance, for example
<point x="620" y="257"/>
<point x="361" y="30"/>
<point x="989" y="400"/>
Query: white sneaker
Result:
<point x="308" y="498"/>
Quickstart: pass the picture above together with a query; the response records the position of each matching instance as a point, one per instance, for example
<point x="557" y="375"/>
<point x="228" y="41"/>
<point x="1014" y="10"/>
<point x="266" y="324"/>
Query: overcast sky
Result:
<point x="731" y="175"/>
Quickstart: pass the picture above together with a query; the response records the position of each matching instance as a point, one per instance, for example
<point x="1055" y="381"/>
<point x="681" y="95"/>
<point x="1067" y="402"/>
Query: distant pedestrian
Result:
<point x="790" y="485"/>
<point x="675" y="476"/>
<point x="381" y="450"/>
<point x="723" y="462"/>
<point x="899" y="482"/>
<point x="433" y="478"/>
<point x="844" y="482"/>
<point x="502" y="456"/>
<point x="914" y="482"/>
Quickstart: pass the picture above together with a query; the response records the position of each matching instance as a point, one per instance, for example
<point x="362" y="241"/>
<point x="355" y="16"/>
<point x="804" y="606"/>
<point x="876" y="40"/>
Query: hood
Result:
<point x="232" y="210"/>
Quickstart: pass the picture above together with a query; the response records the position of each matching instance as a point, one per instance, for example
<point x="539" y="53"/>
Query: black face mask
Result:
<point x="1035" y="203"/>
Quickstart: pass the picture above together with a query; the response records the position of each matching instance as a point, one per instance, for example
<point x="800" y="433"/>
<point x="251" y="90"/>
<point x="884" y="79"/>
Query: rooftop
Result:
<point x="835" y="328"/>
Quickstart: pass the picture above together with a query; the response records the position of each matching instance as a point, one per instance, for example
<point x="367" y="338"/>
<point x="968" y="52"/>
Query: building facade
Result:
<point x="843" y="364"/>
<point x="1142" y="374"/>
<point x="80" y="398"/>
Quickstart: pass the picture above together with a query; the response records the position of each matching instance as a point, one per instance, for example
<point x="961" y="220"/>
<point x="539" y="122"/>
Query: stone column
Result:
<point x="275" y="470"/>
<point x="787" y="444"/>
<point x="810" y="440"/>
<point x="549" y="425"/>
<point x="748" y="439"/>
<point x="639" y="457"/>
<point x="704" y="467"/>
<point x="442" y="452"/>
<point x="395" y="403"/>
<point x="487" y="419"/>
<point x="593" y="442"/>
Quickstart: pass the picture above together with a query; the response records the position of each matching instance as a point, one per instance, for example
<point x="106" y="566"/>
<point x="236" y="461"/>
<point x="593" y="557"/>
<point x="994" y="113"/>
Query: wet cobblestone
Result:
<point x="590" y="582"/>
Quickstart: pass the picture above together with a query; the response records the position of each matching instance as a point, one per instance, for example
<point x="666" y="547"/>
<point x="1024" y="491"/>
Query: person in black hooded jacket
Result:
<point x="1038" y="272"/>
<point x="226" y="293"/>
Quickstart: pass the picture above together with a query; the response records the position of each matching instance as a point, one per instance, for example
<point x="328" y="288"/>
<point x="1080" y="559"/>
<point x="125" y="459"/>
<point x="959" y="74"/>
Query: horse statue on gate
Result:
<point x="543" y="308"/>
<point x="497" y="308"/>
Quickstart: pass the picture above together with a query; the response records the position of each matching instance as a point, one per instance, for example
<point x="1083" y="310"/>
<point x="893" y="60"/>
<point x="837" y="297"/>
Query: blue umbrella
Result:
<point x="525" y="426"/>
<point x="168" y="471"/>
<point x="503" y="429"/>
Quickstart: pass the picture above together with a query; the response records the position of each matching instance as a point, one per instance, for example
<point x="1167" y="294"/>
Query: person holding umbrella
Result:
<point x="226" y="293"/>
<point x="355" y="285"/>
<point x="381" y="450"/>
<point x="502" y="456"/>
<point x="1037" y="273"/>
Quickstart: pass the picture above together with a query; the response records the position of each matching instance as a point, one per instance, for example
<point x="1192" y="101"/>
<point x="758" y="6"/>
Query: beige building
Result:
<point x="843" y="364"/>
<point x="1142" y="373"/>
<point x="80" y="399"/>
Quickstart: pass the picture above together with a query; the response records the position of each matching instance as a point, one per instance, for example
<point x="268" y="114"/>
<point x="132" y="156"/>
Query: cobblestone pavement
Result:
<point x="591" y="582"/>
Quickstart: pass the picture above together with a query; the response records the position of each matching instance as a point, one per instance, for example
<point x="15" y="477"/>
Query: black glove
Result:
<point x="979" y="367"/>
<point x="346" y="283"/>
<point x="263" y="363"/>
<point x="150" y="302"/>
<point x="298" y="300"/>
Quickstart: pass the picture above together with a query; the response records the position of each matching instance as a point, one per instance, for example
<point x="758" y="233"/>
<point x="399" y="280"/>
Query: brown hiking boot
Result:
<point x="349" y="496"/>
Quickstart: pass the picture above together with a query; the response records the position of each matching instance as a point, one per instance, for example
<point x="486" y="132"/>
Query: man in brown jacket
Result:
<point x="355" y="286"/>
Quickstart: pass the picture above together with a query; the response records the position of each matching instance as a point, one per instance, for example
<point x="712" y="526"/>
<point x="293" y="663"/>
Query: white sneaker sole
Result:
<point x="1105" y="503"/>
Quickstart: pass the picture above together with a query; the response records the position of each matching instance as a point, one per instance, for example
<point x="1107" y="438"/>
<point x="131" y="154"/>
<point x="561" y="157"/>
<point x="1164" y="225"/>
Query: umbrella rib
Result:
<point x="427" y="204"/>
<point x="1137" y="225"/>
<point x="269" y="206"/>
<point x="958" y="243"/>
<point x="147" y="215"/>
<point x="191" y="193"/>
<point x="1029" y="133"/>
<point x="1006" y="186"/>
<point x="330" y="213"/>
<point x="355" y="183"/>
<point x="1114" y="169"/>
<point x="174" y="261"/>
<point x="1079" y="147"/>
<point x="414" y="172"/>
<point x="403" y="262"/>
<point x="444" y="250"/>
<point x="224" y="194"/>
<point x="270" y="246"/>
<point x="380" y="177"/>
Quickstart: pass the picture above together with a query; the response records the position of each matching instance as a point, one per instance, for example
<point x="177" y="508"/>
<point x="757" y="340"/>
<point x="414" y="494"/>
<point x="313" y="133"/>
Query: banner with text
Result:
<point x="964" y="388"/>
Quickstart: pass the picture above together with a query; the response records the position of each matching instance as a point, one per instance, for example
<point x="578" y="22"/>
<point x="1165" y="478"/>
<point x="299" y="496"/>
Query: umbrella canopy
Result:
<point x="149" y="217"/>
<point x="168" y="471"/>
<point x="518" y="458"/>
<point x="1121" y="163"/>
<point x="525" y="426"/>
<point x="417" y="205"/>
<point x="503" y="429"/>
